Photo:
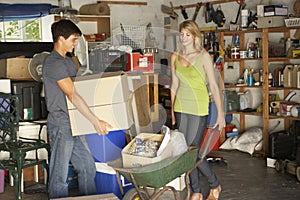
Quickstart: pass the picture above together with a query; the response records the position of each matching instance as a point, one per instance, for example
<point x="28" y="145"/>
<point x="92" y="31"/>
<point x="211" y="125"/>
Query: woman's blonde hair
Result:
<point x="192" y="27"/>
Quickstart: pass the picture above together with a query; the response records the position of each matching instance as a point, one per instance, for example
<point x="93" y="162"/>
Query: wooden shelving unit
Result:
<point x="266" y="60"/>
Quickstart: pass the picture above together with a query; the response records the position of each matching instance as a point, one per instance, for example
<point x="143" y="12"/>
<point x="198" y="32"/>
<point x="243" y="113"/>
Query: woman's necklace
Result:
<point x="190" y="53"/>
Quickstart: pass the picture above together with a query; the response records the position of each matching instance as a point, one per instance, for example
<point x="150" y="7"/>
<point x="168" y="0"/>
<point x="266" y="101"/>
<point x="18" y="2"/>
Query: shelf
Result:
<point x="283" y="88"/>
<point x="243" y="86"/>
<point x="246" y="113"/>
<point x="278" y="59"/>
<point x="240" y="59"/>
<point x="284" y="117"/>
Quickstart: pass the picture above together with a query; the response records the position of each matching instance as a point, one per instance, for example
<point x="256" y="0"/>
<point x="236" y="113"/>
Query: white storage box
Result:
<point x="102" y="89"/>
<point x="270" y="22"/>
<point x="31" y="130"/>
<point x="178" y="183"/>
<point x="275" y="10"/>
<point x="130" y="160"/>
<point x="117" y="115"/>
<point x="5" y="86"/>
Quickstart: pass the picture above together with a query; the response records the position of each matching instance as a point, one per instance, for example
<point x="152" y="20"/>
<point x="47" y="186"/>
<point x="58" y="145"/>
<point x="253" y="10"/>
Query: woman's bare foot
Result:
<point x="196" y="196"/>
<point x="214" y="193"/>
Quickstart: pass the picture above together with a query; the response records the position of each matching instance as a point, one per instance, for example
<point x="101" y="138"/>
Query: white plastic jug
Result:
<point x="287" y="76"/>
<point x="295" y="78"/>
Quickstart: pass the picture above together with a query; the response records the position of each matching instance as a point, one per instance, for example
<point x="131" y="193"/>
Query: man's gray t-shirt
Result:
<point x="56" y="68"/>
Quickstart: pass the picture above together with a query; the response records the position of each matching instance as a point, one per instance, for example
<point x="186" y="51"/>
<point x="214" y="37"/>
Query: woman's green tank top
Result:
<point x="192" y="95"/>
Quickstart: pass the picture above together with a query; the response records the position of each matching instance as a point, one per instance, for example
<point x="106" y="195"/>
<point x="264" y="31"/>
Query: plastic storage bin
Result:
<point x="106" y="181"/>
<point x="105" y="148"/>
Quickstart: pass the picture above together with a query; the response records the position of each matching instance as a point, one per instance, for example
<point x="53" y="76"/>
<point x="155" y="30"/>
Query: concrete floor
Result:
<point x="243" y="178"/>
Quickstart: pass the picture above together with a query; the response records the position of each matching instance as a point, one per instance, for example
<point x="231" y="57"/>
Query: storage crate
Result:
<point x="108" y="147"/>
<point x="292" y="22"/>
<point x="106" y="181"/>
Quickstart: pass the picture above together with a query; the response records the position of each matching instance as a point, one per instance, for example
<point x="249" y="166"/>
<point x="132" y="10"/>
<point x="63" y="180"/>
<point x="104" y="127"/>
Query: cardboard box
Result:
<point x="5" y="85"/>
<point x="275" y="10"/>
<point x="91" y="197"/>
<point x="140" y="63"/>
<point x="106" y="180"/>
<point x="102" y="89"/>
<point x="271" y="162"/>
<point x="118" y="115"/>
<point x="269" y="22"/>
<point x="15" y="68"/>
<point x="178" y="183"/>
<point x="138" y="161"/>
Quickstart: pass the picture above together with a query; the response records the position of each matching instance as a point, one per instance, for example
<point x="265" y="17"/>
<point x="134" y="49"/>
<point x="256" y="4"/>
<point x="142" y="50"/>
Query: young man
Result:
<point x="58" y="70"/>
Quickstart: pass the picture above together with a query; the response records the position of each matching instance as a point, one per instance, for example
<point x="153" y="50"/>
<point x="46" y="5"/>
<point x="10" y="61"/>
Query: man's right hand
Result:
<point x="102" y="127"/>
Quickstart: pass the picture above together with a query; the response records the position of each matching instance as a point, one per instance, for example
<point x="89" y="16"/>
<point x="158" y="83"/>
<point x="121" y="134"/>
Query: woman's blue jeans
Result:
<point x="66" y="148"/>
<point x="193" y="127"/>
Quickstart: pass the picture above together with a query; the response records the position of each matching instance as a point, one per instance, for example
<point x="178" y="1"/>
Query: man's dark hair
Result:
<point x="65" y="28"/>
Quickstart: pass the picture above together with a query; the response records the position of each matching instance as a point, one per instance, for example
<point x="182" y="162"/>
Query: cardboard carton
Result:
<point x="109" y="196"/>
<point x="15" y="68"/>
<point x="138" y="161"/>
<point x="102" y="89"/>
<point x="118" y="115"/>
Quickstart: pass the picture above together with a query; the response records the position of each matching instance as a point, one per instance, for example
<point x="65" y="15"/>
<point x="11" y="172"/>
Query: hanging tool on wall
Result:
<point x="197" y="11"/>
<point x="183" y="12"/>
<point x="242" y="5"/>
<point x="169" y="10"/>
<point x="219" y="17"/>
<point x="209" y="12"/>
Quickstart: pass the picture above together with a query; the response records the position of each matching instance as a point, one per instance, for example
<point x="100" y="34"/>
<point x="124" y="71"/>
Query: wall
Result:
<point x="142" y="15"/>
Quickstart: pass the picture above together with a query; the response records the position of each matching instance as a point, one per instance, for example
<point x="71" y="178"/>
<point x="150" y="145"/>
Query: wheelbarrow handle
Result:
<point x="204" y="151"/>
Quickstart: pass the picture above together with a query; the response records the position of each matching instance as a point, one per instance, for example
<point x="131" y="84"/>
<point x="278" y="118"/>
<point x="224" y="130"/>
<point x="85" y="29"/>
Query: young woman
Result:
<point x="192" y="70"/>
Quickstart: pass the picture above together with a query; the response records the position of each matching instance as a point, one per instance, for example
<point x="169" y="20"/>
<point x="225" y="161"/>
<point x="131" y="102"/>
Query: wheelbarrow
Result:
<point x="158" y="175"/>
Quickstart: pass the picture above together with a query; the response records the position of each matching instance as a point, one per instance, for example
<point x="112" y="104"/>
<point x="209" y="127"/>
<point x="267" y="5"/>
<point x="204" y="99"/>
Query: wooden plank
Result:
<point x="212" y="2"/>
<point x="265" y="37"/>
<point x="126" y="2"/>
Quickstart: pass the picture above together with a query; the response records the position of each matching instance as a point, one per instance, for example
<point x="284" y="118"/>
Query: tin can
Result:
<point x="235" y="53"/>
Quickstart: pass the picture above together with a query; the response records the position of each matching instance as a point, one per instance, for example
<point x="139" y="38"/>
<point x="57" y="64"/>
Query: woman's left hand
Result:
<point x="221" y="122"/>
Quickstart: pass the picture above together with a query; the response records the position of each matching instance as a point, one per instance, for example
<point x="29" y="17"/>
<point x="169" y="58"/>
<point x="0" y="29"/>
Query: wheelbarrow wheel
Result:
<point x="298" y="173"/>
<point x="132" y="194"/>
<point x="279" y="166"/>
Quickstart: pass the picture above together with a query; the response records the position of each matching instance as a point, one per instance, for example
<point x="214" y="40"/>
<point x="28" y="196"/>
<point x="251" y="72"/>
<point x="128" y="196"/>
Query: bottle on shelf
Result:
<point x="277" y="76"/>
<point x="270" y="80"/>
<point x="298" y="78"/>
<point x="294" y="78"/>
<point x="287" y="76"/>
<point x="250" y="79"/>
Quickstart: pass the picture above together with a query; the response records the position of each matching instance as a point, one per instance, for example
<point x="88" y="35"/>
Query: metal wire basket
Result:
<point x="133" y="36"/>
<point x="292" y="22"/>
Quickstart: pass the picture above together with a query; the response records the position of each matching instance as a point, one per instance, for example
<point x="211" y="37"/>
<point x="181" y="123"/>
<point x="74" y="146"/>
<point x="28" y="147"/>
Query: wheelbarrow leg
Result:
<point x="136" y="187"/>
<point x="119" y="183"/>
<point x="161" y="191"/>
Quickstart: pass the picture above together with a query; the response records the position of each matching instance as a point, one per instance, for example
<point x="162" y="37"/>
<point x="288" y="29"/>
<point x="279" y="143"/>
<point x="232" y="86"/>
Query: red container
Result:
<point x="140" y="63"/>
<point x="1" y="181"/>
<point x="215" y="141"/>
